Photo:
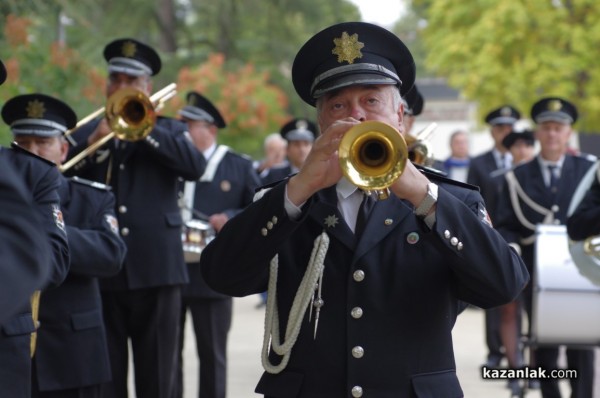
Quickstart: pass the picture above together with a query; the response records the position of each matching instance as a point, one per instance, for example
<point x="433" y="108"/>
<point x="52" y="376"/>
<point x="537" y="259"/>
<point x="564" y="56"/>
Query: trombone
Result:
<point x="131" y="116"/>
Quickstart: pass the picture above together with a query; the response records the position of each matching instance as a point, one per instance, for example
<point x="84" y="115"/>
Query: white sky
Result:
<point x="380" y="12"/>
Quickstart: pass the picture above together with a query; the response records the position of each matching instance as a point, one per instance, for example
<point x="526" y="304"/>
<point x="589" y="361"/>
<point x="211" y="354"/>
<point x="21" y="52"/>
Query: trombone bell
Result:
<point x="372" y="156"/>
<point x="130" y="114"/>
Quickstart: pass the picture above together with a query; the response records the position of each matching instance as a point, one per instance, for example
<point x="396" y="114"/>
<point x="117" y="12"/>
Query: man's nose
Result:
<point x="358" y="113"/>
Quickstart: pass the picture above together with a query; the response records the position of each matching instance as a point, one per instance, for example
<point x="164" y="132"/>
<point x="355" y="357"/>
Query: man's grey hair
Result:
<point x="272" y="138"/>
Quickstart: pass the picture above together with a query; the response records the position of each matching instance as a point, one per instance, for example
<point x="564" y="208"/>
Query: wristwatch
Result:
<point x="427" y="203"/>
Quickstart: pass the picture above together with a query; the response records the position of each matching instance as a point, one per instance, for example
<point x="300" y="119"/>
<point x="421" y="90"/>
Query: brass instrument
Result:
<point x="419" y="151"/>
<point x="131" y="116"/>
<point x="372" y="156"/>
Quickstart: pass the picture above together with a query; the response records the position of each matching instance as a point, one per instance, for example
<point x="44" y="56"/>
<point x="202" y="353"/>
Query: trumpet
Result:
<point x="372" y="156"/>
<point x="131" y="116"/>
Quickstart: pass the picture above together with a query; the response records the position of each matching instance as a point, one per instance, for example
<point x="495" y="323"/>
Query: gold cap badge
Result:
<point x="129" y="49"/>
<point x="347" y="48"/>
<point x="554" y="105"/>
<point x="35" y="109"/>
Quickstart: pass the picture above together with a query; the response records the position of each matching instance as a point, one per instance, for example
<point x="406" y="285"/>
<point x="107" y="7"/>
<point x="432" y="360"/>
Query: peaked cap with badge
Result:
<point x="2" y="73"/>
<point x="414" y="101"/>
<point x="200" y="108"/>
<point x="351" y="53"/>
<point x="38" y="114"/>
<point x="554" y="109"/>
<point x="504" y="115"/>
<point x="299" y="130"/>
<point x="131" y="57"/>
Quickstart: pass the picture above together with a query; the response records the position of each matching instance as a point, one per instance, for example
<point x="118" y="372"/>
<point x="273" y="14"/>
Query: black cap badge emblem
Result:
<point x="347" y="48"/>
<point x="554" y="105"/>
<point x="35" y="109"/>
<point x="129" y="49"/>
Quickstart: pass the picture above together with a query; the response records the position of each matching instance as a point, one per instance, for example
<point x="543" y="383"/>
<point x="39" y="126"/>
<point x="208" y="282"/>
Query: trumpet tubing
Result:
<point x="372" y="156"/>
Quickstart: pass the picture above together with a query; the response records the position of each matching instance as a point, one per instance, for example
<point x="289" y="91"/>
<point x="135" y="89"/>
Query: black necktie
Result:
<point x="553" y="178"/>
<point x="363" y="214"/>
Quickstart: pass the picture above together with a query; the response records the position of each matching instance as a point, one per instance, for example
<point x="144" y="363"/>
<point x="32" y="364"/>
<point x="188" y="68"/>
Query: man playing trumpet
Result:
<point x="372" y="313"/>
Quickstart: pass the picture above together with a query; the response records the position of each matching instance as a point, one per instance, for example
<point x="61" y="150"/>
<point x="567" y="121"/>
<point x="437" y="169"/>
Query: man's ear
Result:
<point x="64" y="150"/>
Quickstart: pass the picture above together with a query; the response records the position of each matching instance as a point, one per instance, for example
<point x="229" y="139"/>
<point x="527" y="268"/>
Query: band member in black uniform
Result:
<point x="413" y="106"/>
<point x="541" y="192"/>
<point x="25" y="251"/>
<point x="71" y="314"/>
<point x="501" y="121"/>
<point x="17" y="340"/>
<point x="585" y="221"/>
<point x="383" y="287"/>
<point x="299" y="134"/>
<point x="143" y="301"/>
<point x="225" y="188"/>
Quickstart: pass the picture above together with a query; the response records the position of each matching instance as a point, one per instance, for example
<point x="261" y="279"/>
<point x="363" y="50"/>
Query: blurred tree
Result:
<point x="251" y="106"/>
<point x="264" y="33"/>
<point x="517" y="51"/>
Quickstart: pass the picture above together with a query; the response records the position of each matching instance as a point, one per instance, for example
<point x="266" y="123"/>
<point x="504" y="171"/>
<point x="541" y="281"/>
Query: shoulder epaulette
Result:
<point x="90" y="183"/>
<point x="20" y="149"/>
<point x="438" y="176"/>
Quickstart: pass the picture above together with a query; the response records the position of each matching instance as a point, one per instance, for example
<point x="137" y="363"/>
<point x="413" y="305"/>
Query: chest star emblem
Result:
<point x="331" y="221"/>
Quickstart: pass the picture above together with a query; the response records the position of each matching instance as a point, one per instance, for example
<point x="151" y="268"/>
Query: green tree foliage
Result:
<point x="265" y="34"/>
<point x="516" y="51"/>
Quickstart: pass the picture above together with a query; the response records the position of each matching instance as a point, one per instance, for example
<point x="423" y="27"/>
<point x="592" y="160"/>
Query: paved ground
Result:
<point x="245" y="343"/>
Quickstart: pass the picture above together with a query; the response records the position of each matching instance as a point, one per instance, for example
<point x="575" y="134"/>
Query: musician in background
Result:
<point x="25" y="251"/>
<point x="274" y="148"/>
<point x="456" y="165"/>
<point x="413" y="106"/>
<point x="300" y="134"/>
<point x="225" y="188"/>
<point x="143" y="301"/>
<point x="501" y="121"/>
<point x="544" y="187"/>
<point x="521" y="145"/>
<point x="72" y="329"/>
<point x="17" y="340"/>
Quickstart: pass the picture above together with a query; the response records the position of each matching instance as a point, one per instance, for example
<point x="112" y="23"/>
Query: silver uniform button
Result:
<point x="454" y="241"/>
<point x="274" y="220"/>
<point x="460" y="246"/>
<point x="358" y="352"/>
<point x="122" y="209"/>
<point x="269" y="225"/>
<point x="264" y="232"/>
<point x="359" y="275"/>
<point x="121" y="167"/>
<point x="447" y="234"/>
<point x="125" y="231"/>
<point x="357" y="391"/>
<point x="356" y="312"/>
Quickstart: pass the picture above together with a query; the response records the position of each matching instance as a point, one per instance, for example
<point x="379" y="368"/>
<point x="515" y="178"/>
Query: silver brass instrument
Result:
<point x="372" y="156"/>
<point x="195" y="235"/>
<point x="131" y="116"/>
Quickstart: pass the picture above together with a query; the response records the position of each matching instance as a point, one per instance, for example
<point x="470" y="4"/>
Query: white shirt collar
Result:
<point x="345" y="188"/>
<point x="209" y="152"/>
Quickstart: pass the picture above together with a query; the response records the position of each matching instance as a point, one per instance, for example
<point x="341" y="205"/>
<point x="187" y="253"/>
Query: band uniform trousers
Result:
<point x="480" y="168"/>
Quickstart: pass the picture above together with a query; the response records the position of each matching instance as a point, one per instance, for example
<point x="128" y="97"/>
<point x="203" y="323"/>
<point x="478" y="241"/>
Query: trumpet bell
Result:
<point x="130" y="114"/>
<point x="372" y="156"/>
